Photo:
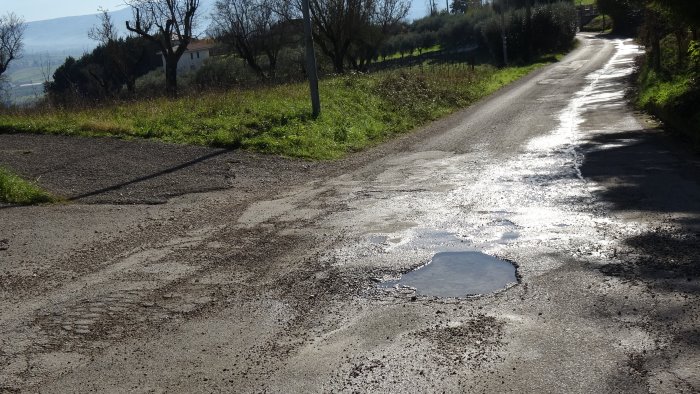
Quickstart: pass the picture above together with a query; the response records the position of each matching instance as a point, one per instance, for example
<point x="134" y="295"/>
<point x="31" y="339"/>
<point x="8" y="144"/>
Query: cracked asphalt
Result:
<point x="189" y="269"/>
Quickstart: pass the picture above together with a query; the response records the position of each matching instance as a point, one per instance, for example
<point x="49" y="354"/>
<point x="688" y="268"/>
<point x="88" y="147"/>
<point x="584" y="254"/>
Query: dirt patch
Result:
<point x="109" y="170"/>
<point x="472" y="343"/>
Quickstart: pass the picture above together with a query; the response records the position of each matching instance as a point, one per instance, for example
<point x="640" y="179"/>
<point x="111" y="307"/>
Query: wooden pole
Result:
<point x="311" y="70"/>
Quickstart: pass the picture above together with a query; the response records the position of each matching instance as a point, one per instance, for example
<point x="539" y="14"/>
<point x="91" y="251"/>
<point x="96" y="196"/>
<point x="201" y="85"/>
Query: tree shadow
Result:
<point x="103" y="170"/>
<point x="643" y="172"/>
<point x="165" y="171"/>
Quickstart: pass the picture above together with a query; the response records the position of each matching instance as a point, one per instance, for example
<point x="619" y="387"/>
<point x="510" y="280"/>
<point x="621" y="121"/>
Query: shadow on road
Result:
<point x="144" y="178"/>
<point x="646" y="176"/>
<point x="642" y="171"/>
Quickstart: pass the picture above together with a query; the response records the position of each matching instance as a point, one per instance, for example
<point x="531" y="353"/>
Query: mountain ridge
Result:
<point x="70" y="33"/>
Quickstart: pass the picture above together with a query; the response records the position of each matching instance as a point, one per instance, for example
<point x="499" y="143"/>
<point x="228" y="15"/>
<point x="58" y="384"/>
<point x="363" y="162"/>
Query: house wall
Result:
<point x="191" y="61"/>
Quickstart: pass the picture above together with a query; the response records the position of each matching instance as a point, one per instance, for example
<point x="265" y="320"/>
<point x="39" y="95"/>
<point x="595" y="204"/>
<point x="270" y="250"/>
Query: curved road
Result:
<point x="275" y="290"/>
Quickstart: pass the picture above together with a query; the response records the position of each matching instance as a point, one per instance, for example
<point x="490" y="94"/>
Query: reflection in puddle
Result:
<point x="458" y="274"/>
<point x="378" y="239"/>
<point x="510" y="236"/>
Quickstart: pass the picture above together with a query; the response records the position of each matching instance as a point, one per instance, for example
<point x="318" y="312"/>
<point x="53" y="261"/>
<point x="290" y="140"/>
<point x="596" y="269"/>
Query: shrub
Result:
<point x="222" y="72"/>
<point x="153" y="83"/>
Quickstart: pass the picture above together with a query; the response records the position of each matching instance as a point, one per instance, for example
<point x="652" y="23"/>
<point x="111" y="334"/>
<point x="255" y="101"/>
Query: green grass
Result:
<point x="357" y="111"/>
<point x="15" y="190"/>
<point x="601" y="23"/>
<point x="662" y="92"/>
<point x="416" y="52"/>
<point x="674" y="98"/>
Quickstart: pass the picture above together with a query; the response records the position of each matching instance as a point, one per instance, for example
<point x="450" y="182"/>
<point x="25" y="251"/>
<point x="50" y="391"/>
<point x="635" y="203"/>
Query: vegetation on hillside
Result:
<point x="259" y="46"/>
<point x="360" y="110"/>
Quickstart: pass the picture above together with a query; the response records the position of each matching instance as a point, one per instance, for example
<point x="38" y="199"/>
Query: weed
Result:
<point x="15" y="190"/>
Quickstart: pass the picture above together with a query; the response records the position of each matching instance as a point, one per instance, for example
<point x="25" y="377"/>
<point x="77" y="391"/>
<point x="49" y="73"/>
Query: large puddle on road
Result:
<point x="458" y="274"/>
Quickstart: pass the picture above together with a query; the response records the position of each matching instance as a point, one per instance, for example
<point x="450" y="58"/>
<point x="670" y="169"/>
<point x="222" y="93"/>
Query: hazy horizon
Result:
<point x="38" y="10"/>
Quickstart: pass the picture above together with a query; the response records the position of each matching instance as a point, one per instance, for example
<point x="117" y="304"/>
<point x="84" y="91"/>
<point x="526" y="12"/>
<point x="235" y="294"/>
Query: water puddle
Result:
<point x="510" y="236"/>
<point x="458" y="274"/>
<point x="378" y="239"/>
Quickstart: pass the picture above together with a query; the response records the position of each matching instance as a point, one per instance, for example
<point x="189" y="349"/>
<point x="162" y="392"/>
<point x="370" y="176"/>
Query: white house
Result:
<point x="193" y="58"/>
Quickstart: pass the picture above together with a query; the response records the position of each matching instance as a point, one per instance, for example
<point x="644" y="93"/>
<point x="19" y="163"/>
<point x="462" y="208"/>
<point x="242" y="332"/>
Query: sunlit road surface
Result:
<point x="556" y="174"/>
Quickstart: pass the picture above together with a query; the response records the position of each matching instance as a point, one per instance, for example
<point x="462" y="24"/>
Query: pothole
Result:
<point x="458" y="274"/>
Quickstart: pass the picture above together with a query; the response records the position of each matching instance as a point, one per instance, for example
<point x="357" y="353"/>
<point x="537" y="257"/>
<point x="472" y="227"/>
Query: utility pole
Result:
<point x="503" y="33"/>
<point x="311" y="70"/>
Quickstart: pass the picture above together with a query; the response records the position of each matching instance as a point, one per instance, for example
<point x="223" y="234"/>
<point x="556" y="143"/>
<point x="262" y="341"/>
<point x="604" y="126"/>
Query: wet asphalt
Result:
<point x="278" y="291"/>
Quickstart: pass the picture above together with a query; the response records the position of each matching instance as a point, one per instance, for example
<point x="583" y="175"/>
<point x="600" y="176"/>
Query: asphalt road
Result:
<point x="270" y="284"/>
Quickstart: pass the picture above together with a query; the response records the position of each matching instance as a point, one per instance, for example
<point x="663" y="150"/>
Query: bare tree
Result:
<point x="340" y="24"/>
<point x="12" y="30"/>
<point x="432" y="7"/>
<point x="169" y="24"/>
<point x="384" y="20"/>
<point x="254" y="28"/>
<point x="337" y="22"/>
<point x="104" y="32"/>
<point x="388" y="13"/>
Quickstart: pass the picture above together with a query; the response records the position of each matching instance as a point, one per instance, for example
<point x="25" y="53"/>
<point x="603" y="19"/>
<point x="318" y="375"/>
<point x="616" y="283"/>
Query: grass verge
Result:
<point x="358" y="111"/>
<point x="674" y="99"/>
<point x="15" y="190"/>
<point x="601" y="23"/>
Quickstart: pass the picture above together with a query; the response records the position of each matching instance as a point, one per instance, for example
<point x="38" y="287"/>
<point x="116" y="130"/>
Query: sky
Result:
<point x="33" y="10"/>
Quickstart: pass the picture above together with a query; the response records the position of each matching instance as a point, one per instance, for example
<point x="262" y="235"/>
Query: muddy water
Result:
<point x="458" y="274"/>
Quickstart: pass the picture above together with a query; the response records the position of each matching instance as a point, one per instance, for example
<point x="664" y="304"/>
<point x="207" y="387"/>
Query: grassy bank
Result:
<point x="673" y="95"/>
<point x="358" y="111"/>
<point x="15" y="190"/>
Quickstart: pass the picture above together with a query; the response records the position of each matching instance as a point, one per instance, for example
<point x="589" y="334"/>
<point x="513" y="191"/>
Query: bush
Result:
<point x="457" y="32"/>
<point x="694" y="53"/>
<point x="153" y="83"/>
<point x="223" y="72"/>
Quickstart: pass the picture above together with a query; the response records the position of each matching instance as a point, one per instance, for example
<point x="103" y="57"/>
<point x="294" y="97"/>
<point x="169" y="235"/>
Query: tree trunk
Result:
<point x="528" y="30"/>
<point x="171" y="76"/>
<point x="504" y="38"/>
<point x="272" y="64"/>
<point x="680" y="37"/>
<point x="130" y="84"/>
<point x="656" y="52"/>
<point x="339" y="63"/>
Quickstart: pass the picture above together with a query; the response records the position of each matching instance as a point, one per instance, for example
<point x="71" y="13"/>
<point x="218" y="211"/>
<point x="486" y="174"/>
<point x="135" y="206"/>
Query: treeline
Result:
<point x="546" y="28"/>
<point x="109" y="71"/>
<point x="260" y="41"/>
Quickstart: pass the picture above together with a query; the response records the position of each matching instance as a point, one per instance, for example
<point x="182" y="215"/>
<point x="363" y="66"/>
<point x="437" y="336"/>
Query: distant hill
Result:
<point x="47" y="43"/>
<point x="69" y="34"/>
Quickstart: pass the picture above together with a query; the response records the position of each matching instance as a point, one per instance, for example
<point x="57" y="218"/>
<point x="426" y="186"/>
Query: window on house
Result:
<point x="191" y="56"/>
<point x="197" y="55"/>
